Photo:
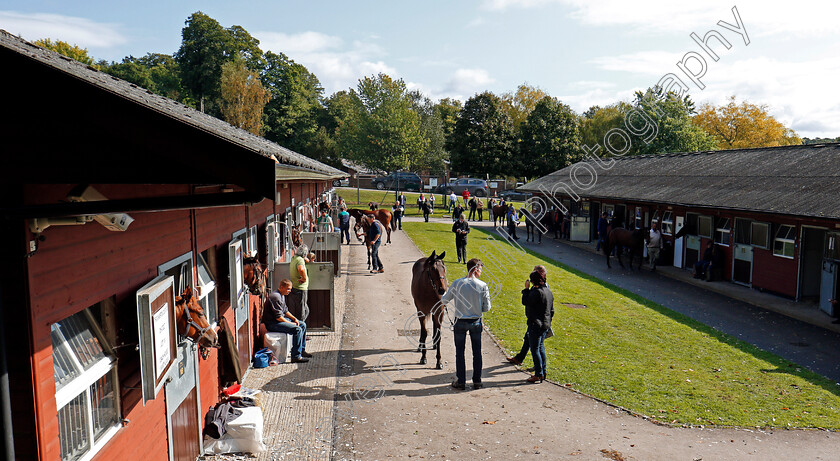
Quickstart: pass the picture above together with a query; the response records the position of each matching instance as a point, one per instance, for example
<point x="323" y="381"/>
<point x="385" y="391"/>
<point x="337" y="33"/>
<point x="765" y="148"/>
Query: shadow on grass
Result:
<point x="782" y="365"/>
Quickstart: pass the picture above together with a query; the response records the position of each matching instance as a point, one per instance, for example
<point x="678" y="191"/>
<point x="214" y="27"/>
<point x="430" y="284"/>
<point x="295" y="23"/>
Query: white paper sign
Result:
<point x="494" y="185"/>
<point x="161" y="340"/>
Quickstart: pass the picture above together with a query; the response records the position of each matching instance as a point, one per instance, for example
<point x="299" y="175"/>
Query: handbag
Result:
<point x="262" y="358"/>
<point x="549" y="333"/>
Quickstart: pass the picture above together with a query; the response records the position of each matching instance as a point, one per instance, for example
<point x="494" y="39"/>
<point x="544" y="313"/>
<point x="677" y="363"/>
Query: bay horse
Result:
<point x="499" y="214"/>
<point x="191" y="322"/>
<point x="383" y="216"/>
<point x="620" y="238"/>
<point x="428" y="284"/>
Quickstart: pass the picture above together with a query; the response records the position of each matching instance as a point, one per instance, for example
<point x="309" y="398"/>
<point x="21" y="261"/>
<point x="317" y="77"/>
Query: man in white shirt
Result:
<point x="469" y="298"/>
<point x="654" y="245"/>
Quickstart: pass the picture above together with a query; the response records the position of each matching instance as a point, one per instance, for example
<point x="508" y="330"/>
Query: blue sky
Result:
<point x="583" y="52"/>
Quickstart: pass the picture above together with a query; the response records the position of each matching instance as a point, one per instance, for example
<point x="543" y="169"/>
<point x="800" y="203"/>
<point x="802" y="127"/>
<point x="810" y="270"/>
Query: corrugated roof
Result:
<point x="799" y="180"/>
<point x="163" y="105"/>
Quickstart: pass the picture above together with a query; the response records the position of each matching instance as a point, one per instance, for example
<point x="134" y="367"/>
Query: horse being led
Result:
<point x="361" y="229"/>
<point x="428" y="284"/>
<point x="499" y="214"/>
<point x="192" y="323"/>
<point x="383" y="216"/>
<point x="619" y="238"/>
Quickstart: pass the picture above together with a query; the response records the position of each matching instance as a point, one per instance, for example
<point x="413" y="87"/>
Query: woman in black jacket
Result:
<point x="539" y="309"/>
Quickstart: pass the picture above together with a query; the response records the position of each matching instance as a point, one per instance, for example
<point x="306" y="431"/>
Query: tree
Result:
<point x="66" y="49"/>
<point x="431" y="128"/>
<point x="597" y="121"/>
<point x="744" y="125"/>
<point x="484" y="138"/>
<point x="243" y="97"/>
<point x="291" y="117"/>
<point x="519" y="104"/>
<point x="447" y="111"/>
<point x="388" y="133"/>
<point x="550" y="138"/>
<point x="155" y="72"/>
<point x="671" y="115"/>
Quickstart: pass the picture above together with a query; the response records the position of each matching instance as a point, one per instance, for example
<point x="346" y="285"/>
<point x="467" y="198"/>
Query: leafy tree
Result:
<point x="672" y="117"/>
<point x="155" y="72"/>
<point x="484" y="139"/>
<point x="291" y="117"/>
<point x="243" y="97"/>
<point x="66" y="49"/>
<point x="447" y="111"/>
<point x="597" y="121"/>
<point x="520" y="103"/>
<point x="744" y="125"/>
<point x="388" y="133"/>
<point x="550" y="138"/>
<point x="432" y="128"/>
<point x="820" y="140"/>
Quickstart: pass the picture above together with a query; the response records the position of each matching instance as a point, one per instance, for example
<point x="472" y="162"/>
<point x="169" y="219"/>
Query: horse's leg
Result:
<point x="618" y="250"/>
<point x="389" y="234"/>
<point x="422" y="346"/>
<point x="607" y="252"/>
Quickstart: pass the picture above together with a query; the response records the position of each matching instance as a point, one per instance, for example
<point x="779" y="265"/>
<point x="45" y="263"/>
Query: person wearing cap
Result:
<point x="277" y="318"/>
<point x="469" y="299"/>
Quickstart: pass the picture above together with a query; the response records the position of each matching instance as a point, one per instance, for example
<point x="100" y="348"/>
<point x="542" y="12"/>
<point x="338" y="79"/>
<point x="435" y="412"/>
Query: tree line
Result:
<point x="382" y="124"/>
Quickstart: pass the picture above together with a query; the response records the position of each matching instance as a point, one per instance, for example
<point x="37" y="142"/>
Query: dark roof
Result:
<point x="49" y="95"/>
<point x="801" y="180"/>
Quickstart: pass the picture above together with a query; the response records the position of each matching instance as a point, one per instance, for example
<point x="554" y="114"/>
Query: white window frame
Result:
<point x="207" y="291"/>
<point x="724" y="228"/>
<point x="785" y="241"/>
<point x="187" y="270"/>
<point x="763" y="245"/>
<point x="253" y="246"/>
<point x="711" y="233"/>
<point x="82" y="383"/>
<point x="667" y="223"/>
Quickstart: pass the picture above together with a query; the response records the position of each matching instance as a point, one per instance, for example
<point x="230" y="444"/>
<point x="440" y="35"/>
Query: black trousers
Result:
<point x="461" y="248"/>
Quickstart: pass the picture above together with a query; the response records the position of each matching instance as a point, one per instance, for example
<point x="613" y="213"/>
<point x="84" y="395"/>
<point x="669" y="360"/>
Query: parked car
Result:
<point x="405" y="180"/>
<point x="512" y="195"/>
<point x="343" y="182"/>
<point x="477" y="187"/>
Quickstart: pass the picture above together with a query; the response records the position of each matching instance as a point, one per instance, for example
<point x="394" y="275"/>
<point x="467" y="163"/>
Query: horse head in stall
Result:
<point x="254" y="276"/>
<point x="428" y="284"/>
<point x="192" y="323"/>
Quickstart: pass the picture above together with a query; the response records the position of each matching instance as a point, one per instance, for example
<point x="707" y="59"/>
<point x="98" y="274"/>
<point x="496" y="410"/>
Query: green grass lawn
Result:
<point x="386" y="199"/>
<point x="639" y="355"/>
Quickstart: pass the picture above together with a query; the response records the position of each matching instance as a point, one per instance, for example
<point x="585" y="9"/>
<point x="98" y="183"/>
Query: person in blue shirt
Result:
<point x="277" y="318"/>
<point x="602" y="231"/>
<point x="469" y="299"/>
<point x="344" y="224"/>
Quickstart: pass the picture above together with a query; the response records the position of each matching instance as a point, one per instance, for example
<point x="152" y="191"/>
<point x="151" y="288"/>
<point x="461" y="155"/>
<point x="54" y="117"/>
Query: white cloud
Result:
<point x="468" y="82"/>
<point x="74" y="30"/>
<point x="643" y="62"/>
<point x="760" y="17"/>
<point x="337" y="65"/>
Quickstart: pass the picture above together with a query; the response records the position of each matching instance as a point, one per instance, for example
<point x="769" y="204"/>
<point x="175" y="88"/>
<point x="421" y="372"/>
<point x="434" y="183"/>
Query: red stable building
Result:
<point x="107" y="188"/>
<point x="772" y="213"/>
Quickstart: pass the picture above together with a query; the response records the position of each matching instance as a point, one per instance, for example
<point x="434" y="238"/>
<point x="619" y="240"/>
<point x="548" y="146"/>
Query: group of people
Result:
<point x="469" y="299"/>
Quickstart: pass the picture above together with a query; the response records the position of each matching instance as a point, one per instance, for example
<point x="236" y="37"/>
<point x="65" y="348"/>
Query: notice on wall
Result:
<point x="161" y="339"/>
<point x="494" y="185"/>
<point x="433" y="182"/>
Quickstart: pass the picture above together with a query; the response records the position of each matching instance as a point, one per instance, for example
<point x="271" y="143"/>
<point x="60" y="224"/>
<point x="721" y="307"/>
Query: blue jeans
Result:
<point x="298" y="333"/>
<point x="375" y="262"/>
<point x="345" y="232"/>
<point x="536" y="339"/>
<point x="462" y="326"/>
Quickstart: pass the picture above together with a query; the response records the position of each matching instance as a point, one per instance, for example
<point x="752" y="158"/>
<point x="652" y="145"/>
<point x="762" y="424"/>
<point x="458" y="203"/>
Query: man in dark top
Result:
<point x="602" y="231"/>
<point x="461" y="228"/>
<point x="473" y="207"/>
<point x="705" y="264"/>
<point x="512" y="222"/>
<point x="374" y="240"/>
<point x="426" y="208"/>
<point x="277" y="318"/>
<point x="457" y="211"/>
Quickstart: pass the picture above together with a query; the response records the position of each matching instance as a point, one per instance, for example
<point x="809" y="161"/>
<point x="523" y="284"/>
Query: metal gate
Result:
<point x="239" y="302"/>
<point x="830" y="266"/>
<point x="742" y="265"/>
<point x="692" y="250"/>
<point x="321" y="296"/>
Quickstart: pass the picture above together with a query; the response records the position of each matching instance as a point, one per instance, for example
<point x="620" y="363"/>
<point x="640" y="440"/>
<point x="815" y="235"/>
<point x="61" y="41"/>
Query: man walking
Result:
<point x="397" y="212"/>
<point x="344" y="224"/>
<point x="277" y="318"/>
<point x="654" y="245"/>
<point x="602" y="231"/>
<point x="469" y="298"/>
<point x="453" y="199"/>
<point x="374" y="240"/>
<point x="426" y="208"/>
<point x="461" y="228"/>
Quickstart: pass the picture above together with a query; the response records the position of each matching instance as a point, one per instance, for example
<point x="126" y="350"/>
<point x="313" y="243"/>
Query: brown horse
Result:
<point x="254" y="276"/>
<point x="621" y="238"/>
<point x="383" y="216"/>
<point x="428" y="284"/>
<point x="499" y="214"/>
<point x="192" y="323"/>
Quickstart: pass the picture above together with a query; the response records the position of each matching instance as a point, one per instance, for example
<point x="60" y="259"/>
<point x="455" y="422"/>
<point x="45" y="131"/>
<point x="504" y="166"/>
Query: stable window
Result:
<point x="832" y="246"/>
<point x="743" y="231"/>
<point x="668" y="223"/>
<point x="180" y="269"/>
<point x="704" y="226"/>
<point x="207" y="289"/>
<point x="760" y="234"/>
<point x="723" y="232"/>
<point x="86" y="390"/>
<point x="609" y="210"/>
<point x="252" y="242"/>
<point x="783" y="244"/>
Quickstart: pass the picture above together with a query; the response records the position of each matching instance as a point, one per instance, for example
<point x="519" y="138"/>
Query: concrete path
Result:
<point x="389" y="407"/>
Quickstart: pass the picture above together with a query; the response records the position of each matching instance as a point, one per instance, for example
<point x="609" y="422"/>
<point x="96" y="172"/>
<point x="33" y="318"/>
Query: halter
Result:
<point x="191" y="323"/>
<point x="432" y="278"/>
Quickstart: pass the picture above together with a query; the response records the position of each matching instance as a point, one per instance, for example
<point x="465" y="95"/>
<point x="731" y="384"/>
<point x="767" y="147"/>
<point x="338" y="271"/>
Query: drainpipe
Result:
<point x="8" y="444"/>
